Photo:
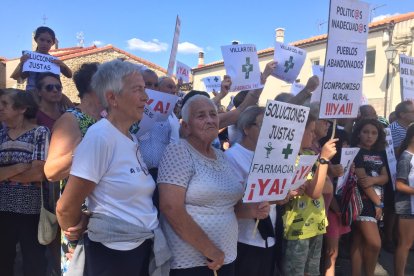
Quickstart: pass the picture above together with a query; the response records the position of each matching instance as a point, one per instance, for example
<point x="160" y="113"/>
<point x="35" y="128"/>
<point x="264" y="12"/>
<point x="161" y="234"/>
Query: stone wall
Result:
<point x="69" y="87"/>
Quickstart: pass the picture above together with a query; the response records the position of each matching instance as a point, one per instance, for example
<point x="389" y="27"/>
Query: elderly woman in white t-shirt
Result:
<point x="108" y="170"/>
<point x="200" y="197"/>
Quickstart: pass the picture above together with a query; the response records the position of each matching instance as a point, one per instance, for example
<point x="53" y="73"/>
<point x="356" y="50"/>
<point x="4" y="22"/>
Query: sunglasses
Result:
<point x="50" y="87"/>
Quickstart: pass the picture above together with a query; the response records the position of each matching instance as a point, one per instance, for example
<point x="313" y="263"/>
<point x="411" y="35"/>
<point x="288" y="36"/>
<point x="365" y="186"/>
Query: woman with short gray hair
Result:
<point x="255" y="254"/>
<point x="200" y="197"/>
<point x="108" y="170"/>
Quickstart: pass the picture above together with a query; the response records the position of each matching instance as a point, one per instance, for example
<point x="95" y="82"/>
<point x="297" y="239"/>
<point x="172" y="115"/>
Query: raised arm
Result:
<point x="64" y="69"/>
<point x="306" y="93"/>
<point x="17" y="73"/>
<point x="315" y="186"/>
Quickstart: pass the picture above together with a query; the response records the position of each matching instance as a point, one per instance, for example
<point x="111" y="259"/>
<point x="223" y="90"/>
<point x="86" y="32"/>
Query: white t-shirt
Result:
<point x="240" y="159"/>
<point x="123" y="189"/>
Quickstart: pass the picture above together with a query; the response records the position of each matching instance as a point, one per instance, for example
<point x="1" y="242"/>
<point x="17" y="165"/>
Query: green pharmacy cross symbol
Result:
<point x="289" y="64"/>
<point x="268" y="149"/>
<point x="287" y="151"/>
<point x="247" y="68"/>
<point x="216" y="79"/>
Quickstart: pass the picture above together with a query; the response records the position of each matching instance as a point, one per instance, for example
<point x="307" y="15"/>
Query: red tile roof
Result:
<point x="74" y="52"/>
<point x="93" y="49"/>
<point x="320" y="38"/>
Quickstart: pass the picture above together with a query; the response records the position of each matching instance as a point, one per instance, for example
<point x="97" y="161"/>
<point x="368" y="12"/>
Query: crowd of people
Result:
<point x="169" y="201"/>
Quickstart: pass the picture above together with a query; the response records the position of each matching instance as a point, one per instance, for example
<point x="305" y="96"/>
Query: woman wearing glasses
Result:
<point x="49" y="93"/>
<point x="23" y="149"/>
<point x="108" y="170"/>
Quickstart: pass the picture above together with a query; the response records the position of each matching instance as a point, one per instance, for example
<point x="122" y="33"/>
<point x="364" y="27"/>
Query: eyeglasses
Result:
<point x="50" y="87"/>
<point x="144" y="168"/>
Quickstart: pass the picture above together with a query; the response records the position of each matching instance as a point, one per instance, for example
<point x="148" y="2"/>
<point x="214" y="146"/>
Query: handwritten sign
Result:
<point x="38" y="62"/>
<point x="162" y="104"/>
<point x="389" y="151"/>
<point x="317" y="70"/>
<point x="174" y="46"/>
<point x="212" y="84"/>
<point x="303" y="168"/>
<point x="183" y="72"/>
<point x="242" y="65"/>
<point x="347" y="158"/>
<point x="345" y="58"/>
<point x="278" y="145"/>
<point x="407" y="77"/>
<point x="147" y="122"/>
<point x="289" y="60"/>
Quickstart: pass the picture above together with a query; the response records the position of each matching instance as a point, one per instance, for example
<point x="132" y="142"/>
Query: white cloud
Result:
<point x="152" y="46"/>
<point x="209" y="48"/>
<point x="383" y="16"/>
<point x="189" y="48"/>
<point x="97" y="42"/>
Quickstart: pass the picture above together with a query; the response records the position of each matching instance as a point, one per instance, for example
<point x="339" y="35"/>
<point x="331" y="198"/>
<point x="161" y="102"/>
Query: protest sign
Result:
<point x="242" y="65"/>
<point x="289" y="60"/>
<point x="147" y="122"/>
<point x="389" y="150"/>
<point x="174" y="46"/>
<point x="347" y="158"/>
<point x="317" y="70"/>
<point x="407" y="77"/>
<point x="162" y="104"/>
<point x="345" y="58"/>
<point x="278" y="145"/>
<point x="183" y="72"/>
<point x="296" y="88"/>
<point x="38" y="62"/>
<point x="212" y="84"/>
<point x="303" y="168"/>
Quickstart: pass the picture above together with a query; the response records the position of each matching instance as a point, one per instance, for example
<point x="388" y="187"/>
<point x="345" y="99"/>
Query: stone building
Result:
<point x="401" y="27"/>
<point x="74" y="57"/>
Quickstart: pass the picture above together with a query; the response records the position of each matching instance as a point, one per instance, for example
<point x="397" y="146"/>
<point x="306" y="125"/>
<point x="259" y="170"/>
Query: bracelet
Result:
<point x="381" y="205"/>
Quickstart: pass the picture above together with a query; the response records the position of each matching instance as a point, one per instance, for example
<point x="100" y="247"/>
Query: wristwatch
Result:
<point x="323" y="161"/>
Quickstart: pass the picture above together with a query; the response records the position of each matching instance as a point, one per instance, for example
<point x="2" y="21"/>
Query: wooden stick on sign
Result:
<point x="255" y="228"/>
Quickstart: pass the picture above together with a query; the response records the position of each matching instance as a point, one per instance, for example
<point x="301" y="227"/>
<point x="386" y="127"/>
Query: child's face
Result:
<point x="44" y="43"/>
<point x="308" y="136"/>
<point x="368" y="136"/>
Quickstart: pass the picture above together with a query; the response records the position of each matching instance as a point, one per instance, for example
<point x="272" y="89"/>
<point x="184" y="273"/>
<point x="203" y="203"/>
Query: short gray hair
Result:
<point x="185" y="111"/>
<point x="109" y="77"/>
<point x="248" y="117"/>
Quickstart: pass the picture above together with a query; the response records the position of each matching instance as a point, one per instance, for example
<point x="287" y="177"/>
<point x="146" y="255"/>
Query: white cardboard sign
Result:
<point x="302" y="170"/>
<point x="242" y="65"/>
<point x="212" y="84"/>
<point x="345" y="59"/>
<point x="278" y="145"/>
<point x="389" y="150"/>
<point x="38" y="62"/>
<point x="148" y="119"/>
<point x="347" y="157"/>
<point x="183" y="72"/>
<point x="289" y="60"/>
<point x="162" y="104"/>
<point x="407" y="77"/>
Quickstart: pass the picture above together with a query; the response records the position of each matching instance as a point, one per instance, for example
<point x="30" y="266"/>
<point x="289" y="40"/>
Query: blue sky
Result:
<point x="145" y="28"/>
